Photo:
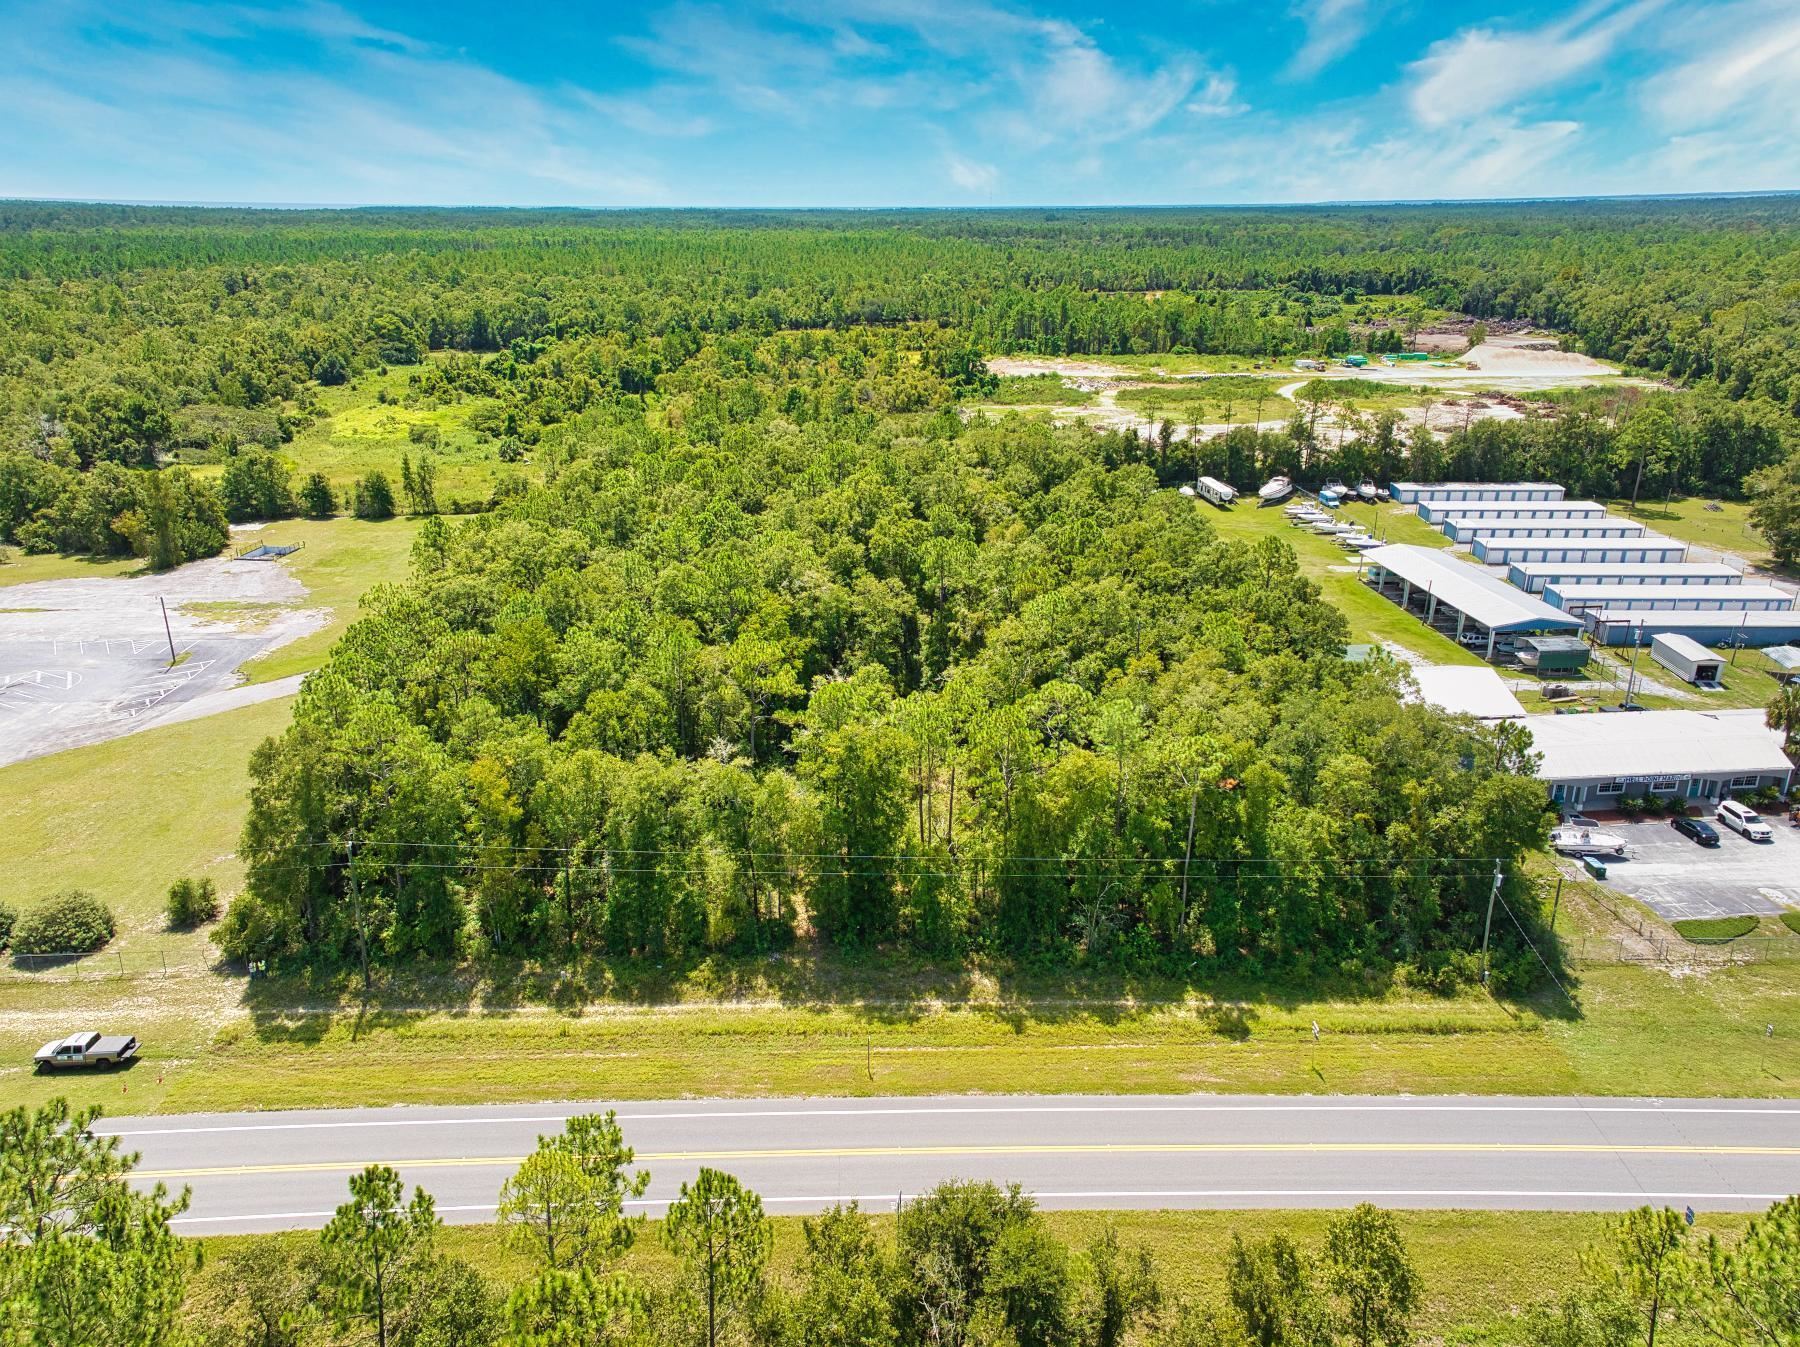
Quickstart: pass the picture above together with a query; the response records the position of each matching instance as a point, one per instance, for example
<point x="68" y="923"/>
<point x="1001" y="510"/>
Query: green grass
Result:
<point x="1726" y="529"/>
<point x="1791" y="920"/>
<point x="340" y="561"/>
<point x="1476" y="1268"/>
<point x="128" y="817"/>
<point x="1038" y="390"/>
<point x="22" y="568"/>
<point x="360" y="434"/>
<point x="1712" y="930"/>
<point x="1372" y="618"/>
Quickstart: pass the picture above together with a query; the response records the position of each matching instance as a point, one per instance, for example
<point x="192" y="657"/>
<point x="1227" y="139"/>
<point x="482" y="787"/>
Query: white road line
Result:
<point x="958" y="1110"/>
<point x="1635" y="1195"/>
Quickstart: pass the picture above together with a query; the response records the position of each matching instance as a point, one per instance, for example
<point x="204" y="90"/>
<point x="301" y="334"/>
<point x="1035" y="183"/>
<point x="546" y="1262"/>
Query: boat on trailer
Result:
<point x="1366" y="489"/>
<point x="1275" y="490"/>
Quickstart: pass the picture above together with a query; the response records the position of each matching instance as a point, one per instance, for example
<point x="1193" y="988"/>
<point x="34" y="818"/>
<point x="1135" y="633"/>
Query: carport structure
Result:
<point x="1458" y="599"/>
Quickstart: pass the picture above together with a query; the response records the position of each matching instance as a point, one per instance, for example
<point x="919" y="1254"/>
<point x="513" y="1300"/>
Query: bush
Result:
<point x="1714" y="930"/>
<point x="191" y="903"/>
<point x="255" y="930"/>
<point x="7" y="918"/>
<point x="1791" y="920"/>
<point x="70" y="922"/>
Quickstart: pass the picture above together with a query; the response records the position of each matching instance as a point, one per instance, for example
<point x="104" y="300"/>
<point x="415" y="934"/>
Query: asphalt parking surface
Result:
<point x="1678" y="878"/>
<point x="84" y="660"/>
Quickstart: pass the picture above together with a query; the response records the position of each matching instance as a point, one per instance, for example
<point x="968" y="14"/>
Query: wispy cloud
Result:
<point x="970" y="176"/>
<point x="1481" y="70"/>
<point x="1333" y="29"/>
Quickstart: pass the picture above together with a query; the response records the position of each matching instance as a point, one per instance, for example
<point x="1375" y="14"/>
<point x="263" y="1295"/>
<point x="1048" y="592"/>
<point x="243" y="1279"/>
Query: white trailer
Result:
<point x="1219" y="493"/>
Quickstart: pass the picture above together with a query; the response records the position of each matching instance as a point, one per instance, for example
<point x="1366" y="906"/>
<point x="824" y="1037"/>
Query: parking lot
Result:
<point x="1678" y="878"/>
<point x="84" y="660"/>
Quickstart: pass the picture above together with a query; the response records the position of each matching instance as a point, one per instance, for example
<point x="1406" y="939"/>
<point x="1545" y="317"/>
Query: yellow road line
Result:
<point x="1147" y="1148"/>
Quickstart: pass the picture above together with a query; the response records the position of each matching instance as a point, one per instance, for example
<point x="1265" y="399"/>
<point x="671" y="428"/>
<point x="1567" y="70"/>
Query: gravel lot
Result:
<point x="86" y="660"/>
<point x="1679" y="878"/>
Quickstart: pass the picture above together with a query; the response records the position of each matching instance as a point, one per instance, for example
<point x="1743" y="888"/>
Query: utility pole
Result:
<point x="166" y="631"/>
<point x="1488" y="927"/>
<point x="362" y="929"/>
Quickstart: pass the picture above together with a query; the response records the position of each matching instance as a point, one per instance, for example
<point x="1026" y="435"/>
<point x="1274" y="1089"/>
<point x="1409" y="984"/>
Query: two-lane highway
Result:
<point x="267" y="1171"/>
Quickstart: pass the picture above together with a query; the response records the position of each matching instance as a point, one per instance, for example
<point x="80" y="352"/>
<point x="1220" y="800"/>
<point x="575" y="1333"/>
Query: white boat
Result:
<point x="1366" y="490"/>
<point x="1362" y="544"/>
<point x="1273" y="490"/>
<point x="1586" y="842"/>
<point x="1186" y="490"/>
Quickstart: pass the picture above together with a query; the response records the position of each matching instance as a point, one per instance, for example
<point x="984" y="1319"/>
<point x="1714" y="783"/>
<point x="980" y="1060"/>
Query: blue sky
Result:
<point x="894" y="102"/>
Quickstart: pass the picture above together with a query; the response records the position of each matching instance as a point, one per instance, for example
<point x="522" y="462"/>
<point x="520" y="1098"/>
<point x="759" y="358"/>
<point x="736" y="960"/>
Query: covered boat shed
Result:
<point x="1414" y="493"/>
<point x="1532" y="576"/>
<point x="1506" y="551"/>
<point x="1687" y="598"/>
<point x="1786" y="659"/>
<point x="1479" y="610"/>
<point x="1635" y="626"/>
<point x="1468" y="530"/>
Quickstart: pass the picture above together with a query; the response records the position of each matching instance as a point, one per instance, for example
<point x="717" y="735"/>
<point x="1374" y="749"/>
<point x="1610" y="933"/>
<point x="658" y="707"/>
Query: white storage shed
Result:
<point x="1506" y="551"/>
<point x="1412" y="493"/>
<point x="1685" y="657"/>
<point x="1468" y="530"/>
<point x="1533" y="576"/>
<point x="1670" y="598"/>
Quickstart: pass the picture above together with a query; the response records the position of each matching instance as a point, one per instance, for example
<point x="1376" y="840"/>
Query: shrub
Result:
<point x="7" y="918"/>
<point x="1791" y="920"/>
<point x="254" y="929"/>
<point x="70" y="922"/>
<point x="1713" y="930"/>
<point x="191" y="903"/>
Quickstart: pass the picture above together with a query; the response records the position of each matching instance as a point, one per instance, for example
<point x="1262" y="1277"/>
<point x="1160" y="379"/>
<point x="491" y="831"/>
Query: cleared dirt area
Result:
<point x="1514" y="358"/>
<point x="85" y="660"/>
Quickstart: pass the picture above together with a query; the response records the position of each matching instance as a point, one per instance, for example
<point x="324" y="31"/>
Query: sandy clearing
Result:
<point x="1511" y="360"/>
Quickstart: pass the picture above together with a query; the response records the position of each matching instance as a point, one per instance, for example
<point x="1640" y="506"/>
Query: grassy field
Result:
<point x="361" y="433"/>
<point x="339" y="560"/>
<point x="21" y="568"/>
<point x="128" y="817"/>
<point x="1477" y="1269"/>
<point x="1372" y="618"/>
<point x="1037" y="390"/>
<point x="1688" y="519"/>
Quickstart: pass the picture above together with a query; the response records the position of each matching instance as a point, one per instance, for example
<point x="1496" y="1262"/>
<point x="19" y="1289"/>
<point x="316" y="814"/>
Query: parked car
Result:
<point x="1697" y="828"/>
<point x="87" y="1049"/>
<point x="1736" y="814"/>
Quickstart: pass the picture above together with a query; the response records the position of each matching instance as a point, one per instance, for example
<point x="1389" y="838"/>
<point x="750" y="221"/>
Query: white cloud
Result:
<point x="1333" y="28"/>
<point x="969" y="175"/>
<point x="1483" y="70"/>
<point x="1742" y="60"/>
<point x="1217" y="97"/>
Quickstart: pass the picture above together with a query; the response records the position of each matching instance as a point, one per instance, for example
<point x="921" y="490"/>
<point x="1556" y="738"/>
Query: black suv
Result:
<point x="1698" y="829"/>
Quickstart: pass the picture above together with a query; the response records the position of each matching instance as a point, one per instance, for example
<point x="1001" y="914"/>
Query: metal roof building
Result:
<point x="1412" y="493"/>
<point x="1439" y="511"/>
<point x="1786" y="658"/>
<point x="1464" y="602"/>
<point x="1635" y="626"/>
<point x="1670" y="598"/>
<point x="1592" y="759"/>
<point x="1650" y="547"/>
<point x="1466" y="690"/>
<point x="1468" y="530"/>
<point x="1532" y="576"/>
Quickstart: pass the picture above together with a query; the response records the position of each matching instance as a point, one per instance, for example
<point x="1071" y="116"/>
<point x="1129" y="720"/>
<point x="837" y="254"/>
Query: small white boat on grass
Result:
<point x="1586" y="842"/>
<point x="1366" y="491"/>
<point x="1275" y="490"/>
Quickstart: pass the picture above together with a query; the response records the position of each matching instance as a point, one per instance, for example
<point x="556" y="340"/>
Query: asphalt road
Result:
<point x="269" y="1171"/>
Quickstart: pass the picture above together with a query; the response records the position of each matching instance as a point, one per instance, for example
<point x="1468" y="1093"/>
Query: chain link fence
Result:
<point x="126" y="963"/>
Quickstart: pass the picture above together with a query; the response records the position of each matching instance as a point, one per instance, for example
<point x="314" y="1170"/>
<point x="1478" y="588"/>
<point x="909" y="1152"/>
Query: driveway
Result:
<point x="1678" y="878"/>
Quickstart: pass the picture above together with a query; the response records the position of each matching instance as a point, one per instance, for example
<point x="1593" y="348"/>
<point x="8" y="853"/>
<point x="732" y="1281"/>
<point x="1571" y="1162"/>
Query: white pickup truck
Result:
<point x="87" y="1049"/>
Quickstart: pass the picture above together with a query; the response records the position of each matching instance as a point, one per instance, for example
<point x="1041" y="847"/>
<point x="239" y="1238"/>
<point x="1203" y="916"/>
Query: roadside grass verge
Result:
<point x="128" y="817"/>
<point x="18" y="567"/>
<point x="1715" y="930"/>
<point x="1477" y="1269"/>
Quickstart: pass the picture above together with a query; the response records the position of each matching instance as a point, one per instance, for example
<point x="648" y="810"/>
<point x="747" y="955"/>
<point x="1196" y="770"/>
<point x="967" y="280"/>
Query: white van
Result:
<point x="1736" y="814"/>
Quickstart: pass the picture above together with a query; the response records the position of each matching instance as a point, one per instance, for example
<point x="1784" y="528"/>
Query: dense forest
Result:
<point x="771" y="641"/>
<point x="86" y="1260"/>
<point x="144" y="336"/>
